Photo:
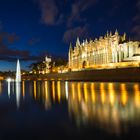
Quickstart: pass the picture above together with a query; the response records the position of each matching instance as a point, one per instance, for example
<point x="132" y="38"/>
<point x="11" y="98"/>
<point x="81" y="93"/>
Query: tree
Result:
<point x="38" y="66"/>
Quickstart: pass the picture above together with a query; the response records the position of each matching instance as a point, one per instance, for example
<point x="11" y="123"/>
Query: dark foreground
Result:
<point x="69" y="110"/>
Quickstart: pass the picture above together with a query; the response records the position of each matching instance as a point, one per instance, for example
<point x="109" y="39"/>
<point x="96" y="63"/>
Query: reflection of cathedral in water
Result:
<point x="49" y="92"/>
<point x="110" y="106"/>
<point x="106" y="105"/>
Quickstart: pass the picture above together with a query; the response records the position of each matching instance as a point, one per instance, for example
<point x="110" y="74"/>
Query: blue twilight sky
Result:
<point x="30" y="29"/>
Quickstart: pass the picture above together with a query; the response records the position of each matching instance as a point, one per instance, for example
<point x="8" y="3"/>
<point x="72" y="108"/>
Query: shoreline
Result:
<point x="101" y="75"/>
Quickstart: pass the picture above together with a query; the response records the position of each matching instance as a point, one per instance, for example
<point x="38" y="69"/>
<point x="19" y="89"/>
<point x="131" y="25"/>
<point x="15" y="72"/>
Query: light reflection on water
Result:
<point x="109" y="106"/>
<point x="112" y="107"/>
<point x="18" y="93"/>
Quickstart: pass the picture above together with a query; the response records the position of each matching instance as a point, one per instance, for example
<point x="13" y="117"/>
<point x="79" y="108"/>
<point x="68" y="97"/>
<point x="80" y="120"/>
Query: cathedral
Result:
<point x="110" y="49"/>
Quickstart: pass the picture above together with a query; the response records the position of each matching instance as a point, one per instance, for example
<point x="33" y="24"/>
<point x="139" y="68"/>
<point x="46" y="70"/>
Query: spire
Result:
<point x="96" y="39"/>
<point x="86" y="41"/>
<point x="107" y="34"/>
<point x="116" y="32"/>
<point x="70" y="47"/>
<point x="110" y="33"/>
<point x="124" y="36"/>
<point x="77" y="42"/>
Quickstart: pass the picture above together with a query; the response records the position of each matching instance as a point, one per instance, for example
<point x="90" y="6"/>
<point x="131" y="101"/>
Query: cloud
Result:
<point x="71" y="34"/>
<point x="136" y="23"/>
<point x="52" y="13"/>
<point x="9" y="38"/>
<point x="9" y="54"/>
<point x="136" y="19"/>
<point x="83" y="5"/>
<point x="136" y="31"/>
<point x="77" y="8"/>
<point x="12" y="38"/>
<point x="49" y="12"/>
<point x="6" y="52"/>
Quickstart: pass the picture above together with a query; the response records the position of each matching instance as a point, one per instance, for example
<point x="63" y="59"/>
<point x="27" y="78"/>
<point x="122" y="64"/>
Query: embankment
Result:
<point x="105" y="75"/>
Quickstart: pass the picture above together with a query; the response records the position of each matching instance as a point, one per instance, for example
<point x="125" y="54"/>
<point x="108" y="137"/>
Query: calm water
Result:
<point x="74" y="110"/>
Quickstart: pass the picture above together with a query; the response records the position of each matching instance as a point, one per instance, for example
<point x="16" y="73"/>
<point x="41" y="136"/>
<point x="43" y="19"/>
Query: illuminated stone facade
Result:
<point x="108" y="49"/>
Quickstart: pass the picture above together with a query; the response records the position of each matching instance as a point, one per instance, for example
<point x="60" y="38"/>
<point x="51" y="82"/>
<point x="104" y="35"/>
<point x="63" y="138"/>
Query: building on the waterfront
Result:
<point x="110" y="49"/>
<point x="47" y="64"/>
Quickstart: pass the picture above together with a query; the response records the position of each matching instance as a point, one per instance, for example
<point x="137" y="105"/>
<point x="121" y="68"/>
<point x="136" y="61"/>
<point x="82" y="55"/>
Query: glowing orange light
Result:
<point x="111" y="93"/>
<point x="124" y="96"/>
<point x="85" y="92"/>
<point x="35" y="89"/>
<point x="103" y="95"/>
<point x="79" y="91"/>
<point x="137" y="95"/>
<point x="58" y="91"/>
<point x="23" y="88"/>
<point x="53" y="90"/>
<point x="73" y="90"/>
<point x="46" y="90"/>
<point x="93" y="92"/>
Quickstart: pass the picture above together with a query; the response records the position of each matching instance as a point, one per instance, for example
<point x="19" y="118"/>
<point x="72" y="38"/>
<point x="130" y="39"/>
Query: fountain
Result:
<point x="18" y="80"/>
<point x="18" y="73"/>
